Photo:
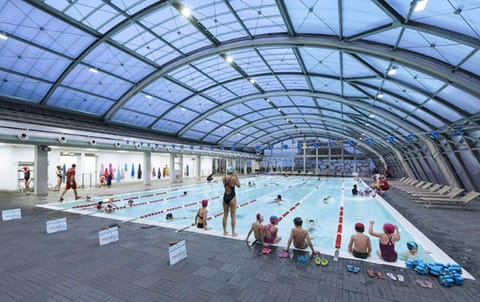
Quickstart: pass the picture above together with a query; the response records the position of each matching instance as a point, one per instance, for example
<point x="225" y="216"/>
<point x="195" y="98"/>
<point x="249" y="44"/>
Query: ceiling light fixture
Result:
<point x="392" y="70"/>
<point x="380" y="95"/>
<point x="420" y="6"/>
<point x="92" y="69"/>
<point x="3" y="36"/>
<point x="252" y="81"/>
<point x="186" y="12"/>
<point x="371" y="116"/>
<point x="229" y="59"/>
<point x="148" y="96"/>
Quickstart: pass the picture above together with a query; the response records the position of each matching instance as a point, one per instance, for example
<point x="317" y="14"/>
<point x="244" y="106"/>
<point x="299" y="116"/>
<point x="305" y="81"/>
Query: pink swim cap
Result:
<point x="388" y="228"/>
<point x="204" y="202"/>
<point x="273" y="219"/>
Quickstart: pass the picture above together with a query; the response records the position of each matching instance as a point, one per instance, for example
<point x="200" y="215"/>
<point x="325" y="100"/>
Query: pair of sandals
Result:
<point x="372" y="274"/>
<point x="352" y="269"/>
<point x="424" y="283"/>
<point x="266" y="250"/>
<point x="321" y="261"/>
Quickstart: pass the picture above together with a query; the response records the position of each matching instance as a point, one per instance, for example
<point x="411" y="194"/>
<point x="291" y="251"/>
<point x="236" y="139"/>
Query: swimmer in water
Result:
<point x="328" y="199"/>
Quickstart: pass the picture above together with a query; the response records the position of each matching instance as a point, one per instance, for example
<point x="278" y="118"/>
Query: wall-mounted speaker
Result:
<point x="117" y="144"/>
<point x="138" y="145"/>
<point x="62" y="139"/>
<point x="93" y="142"/>
<point x="23" y="136"/>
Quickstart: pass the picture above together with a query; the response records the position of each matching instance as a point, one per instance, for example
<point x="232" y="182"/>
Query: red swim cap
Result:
<point x="388" y="228"/>
<point x="359" y="227"/>
<point x="204" y="202"/>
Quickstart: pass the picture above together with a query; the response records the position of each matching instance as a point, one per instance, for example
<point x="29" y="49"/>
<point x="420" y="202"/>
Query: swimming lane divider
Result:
<point x="295" y="206"/>
<point x="170" y="209"/>
<point x="218" y="214"/>
<point x="338" y="240"/>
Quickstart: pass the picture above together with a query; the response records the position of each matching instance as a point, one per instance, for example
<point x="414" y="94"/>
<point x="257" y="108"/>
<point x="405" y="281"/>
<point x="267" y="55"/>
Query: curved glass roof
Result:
<point x="249" y="73"/>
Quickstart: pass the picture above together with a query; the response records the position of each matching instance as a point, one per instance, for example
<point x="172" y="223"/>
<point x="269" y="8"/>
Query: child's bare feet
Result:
<point x="234" y="235"/>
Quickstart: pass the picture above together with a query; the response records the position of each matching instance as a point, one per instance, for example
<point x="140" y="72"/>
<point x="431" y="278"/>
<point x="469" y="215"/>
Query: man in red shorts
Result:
<point x="70" y="183"/>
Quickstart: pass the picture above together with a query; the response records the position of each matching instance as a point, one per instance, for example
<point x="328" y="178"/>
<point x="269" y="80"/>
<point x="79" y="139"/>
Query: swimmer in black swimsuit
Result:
<point x="201" y="218"/>
<point x="230" y="181"/>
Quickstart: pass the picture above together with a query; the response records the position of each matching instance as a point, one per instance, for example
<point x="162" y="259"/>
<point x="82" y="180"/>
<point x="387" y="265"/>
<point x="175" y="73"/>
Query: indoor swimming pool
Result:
<point x="317" y="200"/>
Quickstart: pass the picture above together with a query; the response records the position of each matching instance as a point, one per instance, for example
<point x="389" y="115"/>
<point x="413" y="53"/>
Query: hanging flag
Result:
<point x="64" y="172"/>
<point x="369" y="141"/>
<point x="435" y="135"/>
<point x="458" y="132"/>
<point x="315" y="145"/>
<point x="351" y="142"/>
<point x="411" y="137"/>
<point x="257" y="148"/>
<point x="139" y="172"/>
<point x="390" y="139"/>
<point x="188" y="170"/>
<point x="119" y="176"/>
<point x="133" y="171"/>
<point x="159" y="174"/>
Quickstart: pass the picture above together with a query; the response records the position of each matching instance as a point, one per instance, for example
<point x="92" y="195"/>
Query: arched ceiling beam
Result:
<point x="312" y="116"/>
<point x="427" y="65"/>
<point x="361" y="144"/>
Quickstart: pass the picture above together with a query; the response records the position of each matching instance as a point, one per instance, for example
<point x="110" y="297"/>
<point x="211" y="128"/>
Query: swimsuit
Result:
<point x="268" y="230"/>
<point x="27" y="175"/>
<point x="200" y="224"/>
<point x="228" y="197"/>
<point x="388" y="251"/>
<point x="359" y="255"/>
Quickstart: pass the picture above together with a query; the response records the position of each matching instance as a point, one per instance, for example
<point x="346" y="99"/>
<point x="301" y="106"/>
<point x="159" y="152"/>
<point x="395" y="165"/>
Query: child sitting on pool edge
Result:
<point x="300" y="237"/>
<point x="360" y="245"/>
<point x="257" y="229"/>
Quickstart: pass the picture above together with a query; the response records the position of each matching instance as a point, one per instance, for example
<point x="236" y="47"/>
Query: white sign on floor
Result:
<point x="56" y="225"/>
<point x="108" y="236"/>
<point x="11" y="214"/>
<point x="177" y="252"/>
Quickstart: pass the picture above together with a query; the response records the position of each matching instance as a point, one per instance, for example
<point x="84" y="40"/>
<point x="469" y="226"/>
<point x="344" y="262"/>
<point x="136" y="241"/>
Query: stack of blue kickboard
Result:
<point x="448" y="274"/>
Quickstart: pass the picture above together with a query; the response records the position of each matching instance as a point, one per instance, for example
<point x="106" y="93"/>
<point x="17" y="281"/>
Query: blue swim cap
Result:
<point x="231" y="169"/>
<point x="412" y="245"/>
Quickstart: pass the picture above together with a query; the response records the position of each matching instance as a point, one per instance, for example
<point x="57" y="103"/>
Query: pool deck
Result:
<point x="71" y="266"/>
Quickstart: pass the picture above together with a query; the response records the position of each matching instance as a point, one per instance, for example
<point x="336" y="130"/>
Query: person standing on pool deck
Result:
<point x="70" y="183"/>
<point x="230" y="181"/>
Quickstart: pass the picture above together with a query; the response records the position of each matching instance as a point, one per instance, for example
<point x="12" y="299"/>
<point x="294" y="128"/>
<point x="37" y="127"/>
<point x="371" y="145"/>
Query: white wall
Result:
<point x="10" y="155"/>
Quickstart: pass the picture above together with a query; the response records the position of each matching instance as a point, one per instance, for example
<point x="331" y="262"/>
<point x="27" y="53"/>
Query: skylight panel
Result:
<point x="133" y="118"/>
<point x="111" y="59"/>
<point x="252" y="116"/>
<point x="418" y="79"/>
<point x="258" y="104"/>
<point x="216" y="68"/>
<point x="269" y="112"/>
<point x="194" y="134"/>
<point x="249" y="61"/>
<point x="260" y="17"/>
<point x="219" y="94"/>
<point x="442" y="110"/>
<point x="241" y="87"/>
<point x="30" y="60"/>
<point x="356" y="12"/>
<point x="221" y="117"/>
<point x="282" y="101"/>
<point x="217" y="19"/>
<point x="205" y="125"/>
<point x="281" y="59"/>
<point x="326" y="85"/>
<point x="290" y="110"/>
<point x="79" y="101"/>
<point x="428" y="118"/>
<point x="167" y="90"/>
<point x="322" y="61"/>
<point x="181" y="114"/>
<point x="442" y="49"/>
<point x="269" y="83"/>
<point x="240" y="109"/>
<point x="222" y="131"/>
<point x="212" y="138"/>
<point x="198" y="103"/>
<point x="152" y="106"/>
<point x="192" y="77"/>
<point x="353" y="68"/>
<point x="460" y="98"/>
<point x="472" y="64"/>
<point x="168" y="126"/>
<point x="293" y="82"/>
<point x="306" y="110"/>
<point x="29" y="89"/>
<point x="133" y="6"/>
<point x="318" y="17"/>
<point x="237" y="123"/>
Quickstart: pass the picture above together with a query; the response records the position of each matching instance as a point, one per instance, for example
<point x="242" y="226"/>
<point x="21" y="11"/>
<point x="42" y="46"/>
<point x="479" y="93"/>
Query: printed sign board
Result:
<point x="11" y="214"/>
<point x="108" y="236"/>
<point x="177" y="252"/>
<point x="56" y="225"/>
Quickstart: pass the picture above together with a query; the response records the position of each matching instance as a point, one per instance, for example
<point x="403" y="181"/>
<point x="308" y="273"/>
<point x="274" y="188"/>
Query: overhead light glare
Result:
<point x="252" y="81"/>
<point x="186" y="12"/>
<point x="148" y="96"/>
<point x="392" y="71"/>
<point x="367" y="124"/>
<point x="94" y="70"/>
<point x="420" y="6"/>
<point x="229" y="59"/>
<point x="371" y="116"/>
<point x="3" y="36"/>
<point x="380" y="95"/>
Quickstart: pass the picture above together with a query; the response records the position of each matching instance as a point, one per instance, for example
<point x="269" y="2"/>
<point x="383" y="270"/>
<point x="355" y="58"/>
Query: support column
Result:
<point x="147" y="163"/>
<point x="198" y="165"/>
<point x="41" y="170"/>
<point x="172" y="168"/>
<point x="245" y="167"/>
<point x="304" y="157"/>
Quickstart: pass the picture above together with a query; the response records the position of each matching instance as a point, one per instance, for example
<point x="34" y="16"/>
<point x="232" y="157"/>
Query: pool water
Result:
<point x="317" y="200"/>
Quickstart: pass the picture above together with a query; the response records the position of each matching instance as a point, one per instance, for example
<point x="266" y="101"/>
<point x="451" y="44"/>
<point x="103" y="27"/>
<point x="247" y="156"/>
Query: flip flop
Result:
<point x="392" y="276"/>
<point x="284" y="255"/>
<point x="371" y="273"/>
<point x="400" y="278"/>
<point x="428" y="283"/>
<point x="318" y="261"/>
<point x="356" y="269"/>
<point x="349" y="268"/>
<point x="379" y="275"/>
<point x="421" y="283"/>
<point x="266" y="251"/>
<point x="324" y="262"/>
